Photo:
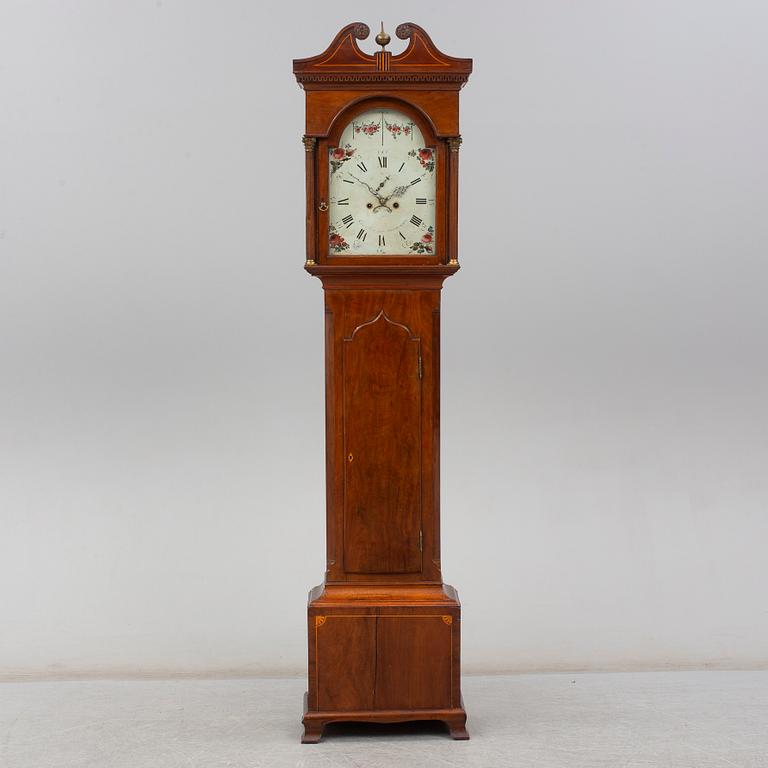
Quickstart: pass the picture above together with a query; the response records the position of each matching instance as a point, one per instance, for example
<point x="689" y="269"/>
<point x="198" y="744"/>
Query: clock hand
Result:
<point x="398" y="192"/>
<point x="368" y="186"/>
<point x="373" y="191"/>
<point x="381" y="200"/>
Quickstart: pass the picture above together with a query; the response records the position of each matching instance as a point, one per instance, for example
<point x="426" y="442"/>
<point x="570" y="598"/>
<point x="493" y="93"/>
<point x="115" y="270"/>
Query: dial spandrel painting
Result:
<point x="381" y="188"/>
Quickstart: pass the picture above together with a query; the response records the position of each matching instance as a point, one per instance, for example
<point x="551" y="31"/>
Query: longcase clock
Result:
<point x="382" y="142"/>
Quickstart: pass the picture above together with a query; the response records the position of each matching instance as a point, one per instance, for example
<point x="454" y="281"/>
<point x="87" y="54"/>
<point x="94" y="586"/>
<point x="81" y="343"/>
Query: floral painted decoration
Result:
<point x="340" y="155"/>
<point x="335" y="241"/>
<point x="427" y="241"/>
<point x="369" y="129"/>
<point x="425" y="157"/>
<point x="396" y="129"/>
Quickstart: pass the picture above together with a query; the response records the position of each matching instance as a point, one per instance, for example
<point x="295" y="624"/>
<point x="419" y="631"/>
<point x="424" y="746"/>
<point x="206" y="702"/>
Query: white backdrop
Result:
<point x="605" y="416"/>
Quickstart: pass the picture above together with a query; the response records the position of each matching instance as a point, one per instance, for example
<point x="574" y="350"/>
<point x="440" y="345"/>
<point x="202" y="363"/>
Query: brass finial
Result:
<point x="382" y="38"/>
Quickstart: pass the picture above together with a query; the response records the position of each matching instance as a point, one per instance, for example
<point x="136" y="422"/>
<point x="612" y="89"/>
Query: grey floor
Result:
<point x="667" y="719"/>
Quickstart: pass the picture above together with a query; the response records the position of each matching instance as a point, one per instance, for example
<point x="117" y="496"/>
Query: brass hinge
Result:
<point x="418" y="364"/>
<point x="420" y="542"/>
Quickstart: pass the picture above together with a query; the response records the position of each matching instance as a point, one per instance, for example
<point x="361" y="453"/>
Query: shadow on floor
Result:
<point x="386" y="730"/>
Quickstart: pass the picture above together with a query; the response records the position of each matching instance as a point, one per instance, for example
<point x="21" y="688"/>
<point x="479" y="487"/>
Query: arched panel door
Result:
<point x="382" y="449"/>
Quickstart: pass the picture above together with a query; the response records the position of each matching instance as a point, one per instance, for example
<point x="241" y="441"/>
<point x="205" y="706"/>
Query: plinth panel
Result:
<point x="413" y="661"/>
<point x="346" y="677"/>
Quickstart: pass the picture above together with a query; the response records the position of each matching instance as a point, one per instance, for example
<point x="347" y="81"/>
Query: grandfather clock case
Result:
<point x="382" y="158"/>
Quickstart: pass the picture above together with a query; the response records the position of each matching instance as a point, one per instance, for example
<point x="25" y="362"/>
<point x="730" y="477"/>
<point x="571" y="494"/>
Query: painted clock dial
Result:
<point x="381" y="188"/>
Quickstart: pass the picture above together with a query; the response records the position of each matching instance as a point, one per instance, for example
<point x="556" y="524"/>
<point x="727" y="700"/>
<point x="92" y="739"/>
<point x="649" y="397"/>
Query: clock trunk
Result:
<point x="382" y="409"/>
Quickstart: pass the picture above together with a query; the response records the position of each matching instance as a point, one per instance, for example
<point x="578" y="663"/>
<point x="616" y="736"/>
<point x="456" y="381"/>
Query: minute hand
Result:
<point x="368" y="186"/>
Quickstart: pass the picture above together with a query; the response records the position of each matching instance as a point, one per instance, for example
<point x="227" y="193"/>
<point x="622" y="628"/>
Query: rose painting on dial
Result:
<point x="382" y="182"/>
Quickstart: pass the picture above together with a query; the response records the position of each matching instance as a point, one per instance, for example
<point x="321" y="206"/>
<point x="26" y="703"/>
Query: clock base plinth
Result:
<point x="315" y="722"/>
<point x="383" y="654"/>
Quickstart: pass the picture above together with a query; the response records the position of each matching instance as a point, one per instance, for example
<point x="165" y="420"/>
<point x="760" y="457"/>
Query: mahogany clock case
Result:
<point x="383" y="628"/>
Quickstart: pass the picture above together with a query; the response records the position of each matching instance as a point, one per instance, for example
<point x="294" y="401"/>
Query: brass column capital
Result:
<point x="453" y="143"/>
